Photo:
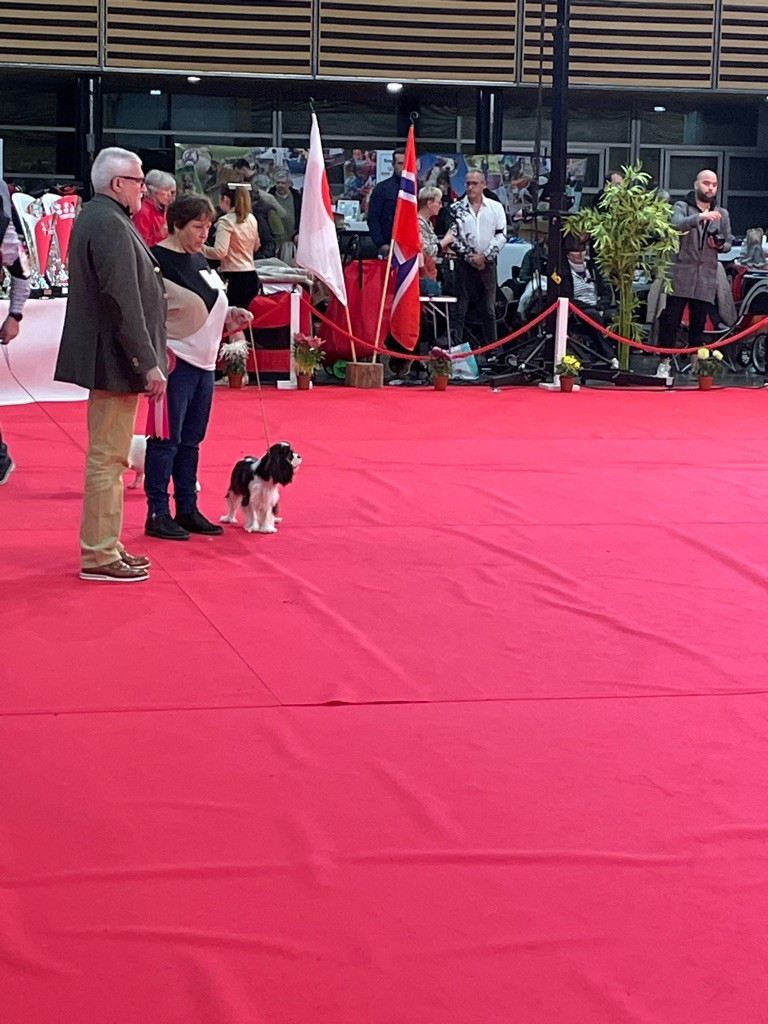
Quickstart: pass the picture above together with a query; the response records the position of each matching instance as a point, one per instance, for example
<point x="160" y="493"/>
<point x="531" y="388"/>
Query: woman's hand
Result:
<point x="239" y="317"/>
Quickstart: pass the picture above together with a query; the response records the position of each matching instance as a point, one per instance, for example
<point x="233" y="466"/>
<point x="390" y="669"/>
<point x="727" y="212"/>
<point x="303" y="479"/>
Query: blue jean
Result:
<point x="189" y="397"/>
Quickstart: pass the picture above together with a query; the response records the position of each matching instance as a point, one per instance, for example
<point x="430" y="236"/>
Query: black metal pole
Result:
<point x="556" y="256"/>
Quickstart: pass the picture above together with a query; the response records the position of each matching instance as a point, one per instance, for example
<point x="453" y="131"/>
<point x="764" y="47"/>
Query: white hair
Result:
<point x="160" y="179"/>
<point x="112" y="163"/>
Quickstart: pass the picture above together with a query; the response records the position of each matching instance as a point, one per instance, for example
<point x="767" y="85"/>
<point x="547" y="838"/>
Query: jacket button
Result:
<point x="165" y="295"/>
<point x="156" y="270"/>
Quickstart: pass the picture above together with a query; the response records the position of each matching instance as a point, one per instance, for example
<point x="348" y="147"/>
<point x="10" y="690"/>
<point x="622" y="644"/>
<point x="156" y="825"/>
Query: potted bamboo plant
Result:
<point x="630" y="230"/>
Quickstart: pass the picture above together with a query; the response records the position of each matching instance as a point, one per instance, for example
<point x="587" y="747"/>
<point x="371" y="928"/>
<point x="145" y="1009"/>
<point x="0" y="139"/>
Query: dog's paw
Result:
<point x="251" y="529"/>
<point x="267" y="529"/>
<point x="227" y="519"/>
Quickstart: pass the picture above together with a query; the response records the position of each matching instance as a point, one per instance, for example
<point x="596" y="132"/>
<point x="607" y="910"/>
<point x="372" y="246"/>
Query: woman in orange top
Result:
<point x="237" y="239"/>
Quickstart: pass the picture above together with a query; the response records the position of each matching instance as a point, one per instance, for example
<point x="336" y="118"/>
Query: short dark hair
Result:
<point x="397" y="152"/>
<point x="187" y="207"/>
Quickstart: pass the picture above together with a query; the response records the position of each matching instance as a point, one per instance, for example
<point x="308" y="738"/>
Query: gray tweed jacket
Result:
<point x="114" y="329"/>
<point x="694" y="274"/>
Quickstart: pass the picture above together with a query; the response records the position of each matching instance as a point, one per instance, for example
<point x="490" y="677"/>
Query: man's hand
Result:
<point x="477" y="260"/>
<point x="711" y="215"/>
<point x="8" y="330"/>
<point x="384" y="252"/>
<point x="156" y="383"/>
<point x="240" y="317"/>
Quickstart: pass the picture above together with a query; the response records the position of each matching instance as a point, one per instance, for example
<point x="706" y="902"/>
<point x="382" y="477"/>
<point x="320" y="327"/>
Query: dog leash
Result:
<point x="258" y="386"/>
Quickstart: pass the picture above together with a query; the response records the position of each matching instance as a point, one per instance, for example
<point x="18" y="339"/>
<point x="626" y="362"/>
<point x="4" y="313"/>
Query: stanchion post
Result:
<point x="295" y="328"/>
<point x="561" y="340"/>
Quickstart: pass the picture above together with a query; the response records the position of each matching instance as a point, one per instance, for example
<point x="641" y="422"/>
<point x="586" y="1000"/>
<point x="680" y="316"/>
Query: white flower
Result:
<point x="703" y="353"/>
<point x="717" y="354"/>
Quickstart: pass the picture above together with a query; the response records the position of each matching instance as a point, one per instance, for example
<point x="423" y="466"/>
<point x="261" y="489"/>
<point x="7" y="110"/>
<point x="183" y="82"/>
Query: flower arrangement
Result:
<point x="568" y="366"/>
<point x="234" y="356"/>
<point x="440" y="362"/>
<point x="308" y="353"/>
<point x="709" y="361"/>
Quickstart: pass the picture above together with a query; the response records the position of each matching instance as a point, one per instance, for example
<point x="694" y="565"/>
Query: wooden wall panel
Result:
<point x="634" y="44"/>
<point x="743" y="48"/>
<point x="50" y="32"/>
<point x="453" y="40"/>
<point x="197" y="35"/>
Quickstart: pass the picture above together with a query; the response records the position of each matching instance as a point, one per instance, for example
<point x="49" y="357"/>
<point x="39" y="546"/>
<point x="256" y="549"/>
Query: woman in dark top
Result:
<point x="197" y="313"/>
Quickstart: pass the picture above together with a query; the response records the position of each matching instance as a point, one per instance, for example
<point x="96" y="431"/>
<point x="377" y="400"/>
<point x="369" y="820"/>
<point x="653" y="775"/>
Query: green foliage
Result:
<point x="569" y="366"/>
<point x="308" y="353"/>
<point x="630" y="230"/>
<point x="708" y="363"/>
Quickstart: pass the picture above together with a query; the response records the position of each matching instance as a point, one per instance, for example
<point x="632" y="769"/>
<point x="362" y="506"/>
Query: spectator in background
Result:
<point x="480" y="232"/>
<point x="267" y="220"/>
<point x="382" y="205"/>
<point x="429" y="203"/>
<point x="237" y="239"/>
<point x="289" y="199"/>
<point x="10" y="258"/>
<point x="705" y="230"/>
<point x="150" y="218"/>
<point x="753" y="245"/>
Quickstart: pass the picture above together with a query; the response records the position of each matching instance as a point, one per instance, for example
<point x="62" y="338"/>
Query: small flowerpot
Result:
<point x="440" y="381"/>
<point x="235" y="380"/>
<point x="706" y="382"/>
<point x="302" y="381"/>
<point x="566" y="383"/>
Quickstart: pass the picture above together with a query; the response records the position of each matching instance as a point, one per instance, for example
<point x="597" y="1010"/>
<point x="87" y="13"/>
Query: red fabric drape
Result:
<point x="364" y="280"/>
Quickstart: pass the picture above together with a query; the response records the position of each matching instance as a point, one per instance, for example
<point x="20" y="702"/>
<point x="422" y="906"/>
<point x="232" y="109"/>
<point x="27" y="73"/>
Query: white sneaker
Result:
<point x="664" y="369"/>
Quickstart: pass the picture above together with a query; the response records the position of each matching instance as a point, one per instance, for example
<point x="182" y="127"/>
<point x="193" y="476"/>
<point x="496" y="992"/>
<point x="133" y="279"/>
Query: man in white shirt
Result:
<point x="480" y="226"/>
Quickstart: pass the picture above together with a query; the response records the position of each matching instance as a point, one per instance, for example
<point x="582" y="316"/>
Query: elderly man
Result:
<point x="10" y="257"/>
<point x="150" y="219"/>
<point x="289" y="199"/>
<point x="706" y="231"/>
<point x="479" y="230"/>
<point x="113" y="344"/>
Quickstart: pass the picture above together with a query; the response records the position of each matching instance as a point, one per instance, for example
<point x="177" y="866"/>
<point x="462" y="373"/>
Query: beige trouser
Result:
<point x="110" y="428"/>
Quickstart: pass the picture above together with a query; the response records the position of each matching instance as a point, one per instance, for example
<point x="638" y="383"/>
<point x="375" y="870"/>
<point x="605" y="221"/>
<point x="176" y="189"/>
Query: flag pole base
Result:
<point x="364" y="375"/>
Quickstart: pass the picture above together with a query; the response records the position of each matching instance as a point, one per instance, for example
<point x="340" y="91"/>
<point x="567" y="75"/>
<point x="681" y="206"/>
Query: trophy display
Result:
<point x="47" y="228"/>
<point x="29" y="212"/>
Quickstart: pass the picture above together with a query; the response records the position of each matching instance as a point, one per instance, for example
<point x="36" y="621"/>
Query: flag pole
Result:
<point x="383" y="301"/>
<point x="351" y="339"/>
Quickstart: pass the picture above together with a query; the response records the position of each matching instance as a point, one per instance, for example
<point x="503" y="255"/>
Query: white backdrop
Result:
<point x="33" y="355"/>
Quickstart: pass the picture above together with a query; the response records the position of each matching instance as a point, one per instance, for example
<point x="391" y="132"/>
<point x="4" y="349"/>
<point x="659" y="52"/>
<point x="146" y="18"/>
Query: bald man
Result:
<point x="706" y="231"/>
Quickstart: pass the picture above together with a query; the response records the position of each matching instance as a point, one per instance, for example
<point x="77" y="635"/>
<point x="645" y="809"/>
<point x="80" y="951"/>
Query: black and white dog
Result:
<point x="254" y="485"/>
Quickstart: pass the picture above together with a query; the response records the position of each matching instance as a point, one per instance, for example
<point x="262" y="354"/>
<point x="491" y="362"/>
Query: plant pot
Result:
<point x="303" y="381"/>
<point x="566" y="383"/>
<point x="706" y="382"/>
<point x="440" y="381"/>
<point x="235" y="380"/>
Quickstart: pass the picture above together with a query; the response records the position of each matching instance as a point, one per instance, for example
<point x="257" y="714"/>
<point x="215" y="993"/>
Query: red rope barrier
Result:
<point x="668" y="351"/>
<point x="425" y="359"/>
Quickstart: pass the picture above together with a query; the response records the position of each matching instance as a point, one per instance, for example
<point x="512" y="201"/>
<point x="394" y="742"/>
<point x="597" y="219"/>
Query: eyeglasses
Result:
<point x="131" y="177"/>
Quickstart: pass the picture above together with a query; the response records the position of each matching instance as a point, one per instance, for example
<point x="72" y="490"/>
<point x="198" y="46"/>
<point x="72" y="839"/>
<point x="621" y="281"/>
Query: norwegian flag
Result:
<point x="406" y="250"/>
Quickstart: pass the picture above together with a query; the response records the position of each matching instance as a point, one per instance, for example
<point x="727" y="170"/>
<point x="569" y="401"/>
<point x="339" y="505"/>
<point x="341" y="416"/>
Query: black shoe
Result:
<point x="165" y="528"/>
<point x="7" y="466"/>
<point x="195" y="522"/>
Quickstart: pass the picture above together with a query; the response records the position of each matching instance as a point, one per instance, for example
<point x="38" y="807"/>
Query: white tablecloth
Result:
<point x="32" y="356"/>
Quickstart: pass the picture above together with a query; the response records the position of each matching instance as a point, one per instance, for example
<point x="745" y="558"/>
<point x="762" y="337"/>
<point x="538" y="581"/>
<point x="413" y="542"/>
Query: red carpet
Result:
<point x="547" y="613"/>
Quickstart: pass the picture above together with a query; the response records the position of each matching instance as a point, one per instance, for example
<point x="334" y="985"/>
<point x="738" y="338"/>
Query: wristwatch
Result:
<point x="18" y="317"/>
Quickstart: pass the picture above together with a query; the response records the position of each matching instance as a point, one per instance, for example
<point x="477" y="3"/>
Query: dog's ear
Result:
<point x="282" y="472"/>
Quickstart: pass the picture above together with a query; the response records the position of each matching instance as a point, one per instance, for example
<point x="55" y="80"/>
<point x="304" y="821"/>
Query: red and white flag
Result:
<point x="406" y="250"/>
<point x="318" y="246"/>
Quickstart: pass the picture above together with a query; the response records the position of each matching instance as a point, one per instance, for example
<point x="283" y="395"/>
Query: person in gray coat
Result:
<point x="113" y="344"/>
<point x="706" y="231"/>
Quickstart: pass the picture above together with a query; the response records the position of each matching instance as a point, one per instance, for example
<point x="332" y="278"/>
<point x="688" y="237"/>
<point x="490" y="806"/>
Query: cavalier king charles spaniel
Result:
<point x="254" y="485"/>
